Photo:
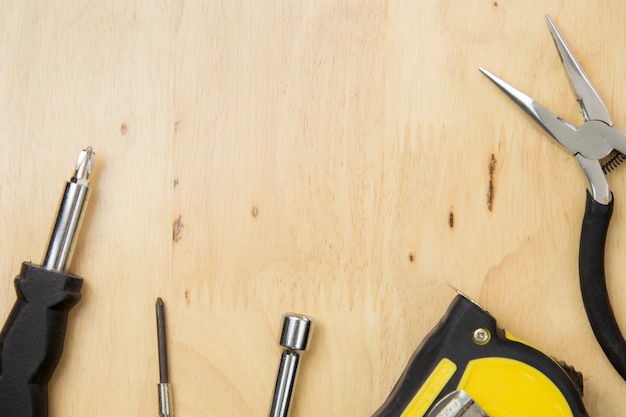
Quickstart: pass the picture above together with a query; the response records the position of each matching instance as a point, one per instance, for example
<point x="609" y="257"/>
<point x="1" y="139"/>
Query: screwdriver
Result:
<point x="165" y="388"/>
<point x="31" y="341"/>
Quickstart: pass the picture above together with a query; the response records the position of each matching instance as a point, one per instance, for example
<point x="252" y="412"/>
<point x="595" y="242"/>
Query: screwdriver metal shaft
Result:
<point x="164" y="387"/>
<point x="70" y="215"/>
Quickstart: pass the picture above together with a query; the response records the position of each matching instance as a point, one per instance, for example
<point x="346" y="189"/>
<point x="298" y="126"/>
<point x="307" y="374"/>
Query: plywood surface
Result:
<point x="338" y="159"/>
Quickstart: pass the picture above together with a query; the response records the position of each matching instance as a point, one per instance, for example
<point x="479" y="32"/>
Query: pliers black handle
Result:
<point x="594" y="140"/>
<point x="593" y="283"/>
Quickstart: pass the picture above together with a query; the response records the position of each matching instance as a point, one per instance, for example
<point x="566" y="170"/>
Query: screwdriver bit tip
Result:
<point x="84" y="164"/>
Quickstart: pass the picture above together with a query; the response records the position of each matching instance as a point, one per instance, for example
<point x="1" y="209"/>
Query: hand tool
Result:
<point x="598" y="148"/>
<point x="294" y="337"/>
<point x="164" y="387"/>
<point x="468" y="366"/>
<point x="31" y="341"/>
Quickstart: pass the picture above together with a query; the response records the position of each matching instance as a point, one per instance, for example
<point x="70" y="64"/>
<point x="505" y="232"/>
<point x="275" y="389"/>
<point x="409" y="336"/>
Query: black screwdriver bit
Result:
<point x="165" y="389"/>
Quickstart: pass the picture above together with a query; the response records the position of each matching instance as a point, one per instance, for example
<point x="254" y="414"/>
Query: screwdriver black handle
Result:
<point x="593" y="283"/>
<point x="31" y="341"/>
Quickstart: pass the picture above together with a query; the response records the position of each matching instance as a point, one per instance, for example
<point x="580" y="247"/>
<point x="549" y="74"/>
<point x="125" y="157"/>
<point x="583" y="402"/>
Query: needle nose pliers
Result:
<point x="592" y="143"/>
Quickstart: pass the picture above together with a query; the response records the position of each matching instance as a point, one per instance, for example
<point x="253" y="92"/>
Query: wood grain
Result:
<point x="339" y="159"/>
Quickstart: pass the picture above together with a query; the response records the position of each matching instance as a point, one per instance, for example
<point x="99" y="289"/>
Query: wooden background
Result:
<point x="338" y="159"/>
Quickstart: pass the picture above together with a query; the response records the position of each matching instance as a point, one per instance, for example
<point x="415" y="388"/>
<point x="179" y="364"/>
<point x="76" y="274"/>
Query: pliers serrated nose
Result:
<point x="590" y="143"/>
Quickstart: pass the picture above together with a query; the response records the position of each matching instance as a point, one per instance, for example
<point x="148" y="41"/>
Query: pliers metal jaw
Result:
<point x="591" y="142"/>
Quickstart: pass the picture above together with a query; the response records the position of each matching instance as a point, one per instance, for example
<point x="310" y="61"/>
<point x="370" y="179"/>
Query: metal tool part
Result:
<point x="612" y="161"/>
<point x="164" y="387"/>
<point x="461" y="293"/>
<point x="69" y="217"/>
<point x="591" y="142"/>
<point x="294" y="338"/>
<point x="457" y="404"/>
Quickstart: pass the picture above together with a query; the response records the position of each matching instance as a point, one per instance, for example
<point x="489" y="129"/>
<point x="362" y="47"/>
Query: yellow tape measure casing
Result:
<point x="506" y="387"/>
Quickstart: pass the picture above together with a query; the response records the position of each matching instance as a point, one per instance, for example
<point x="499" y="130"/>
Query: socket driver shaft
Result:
<point x="294" y="338"/>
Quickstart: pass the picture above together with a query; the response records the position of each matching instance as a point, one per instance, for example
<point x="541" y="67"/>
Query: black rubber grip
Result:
<point x="593" y="283"/>
<point x="31" y="341"/>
